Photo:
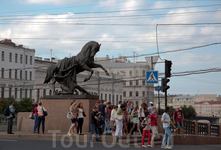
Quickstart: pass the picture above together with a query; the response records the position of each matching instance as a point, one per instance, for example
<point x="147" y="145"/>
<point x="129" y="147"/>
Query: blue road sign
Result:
<point x="158" y="88"/>
<point x="152" y="77"/>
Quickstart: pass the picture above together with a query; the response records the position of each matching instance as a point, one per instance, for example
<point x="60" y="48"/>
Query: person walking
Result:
<point x="178" y="118"/>
<point x="35" y="116"/>
<point x="166" y="126"/>
<point x="107" y="130"/>
<point x="119" y="120"/>
<point x="119" y="104"/>
<point x="141" y="113"/>
<point x="146" y="130"/>
<point x="135" y="120"/>
<point x="112" y="119"/>
<point x="80" y="118"/>
<point x="102" y="108"/>
<point x="41" y="117"/>
<point x="154" y="127"/>
<point x="150" y="108"/>
<point x="73" y="111"/>
<point x="10" y="117"/>
<point x="94" y="127"/>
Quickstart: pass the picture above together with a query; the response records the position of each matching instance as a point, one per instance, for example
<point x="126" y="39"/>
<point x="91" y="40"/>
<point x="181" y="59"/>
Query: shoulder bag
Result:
<point x="45" y="113"/>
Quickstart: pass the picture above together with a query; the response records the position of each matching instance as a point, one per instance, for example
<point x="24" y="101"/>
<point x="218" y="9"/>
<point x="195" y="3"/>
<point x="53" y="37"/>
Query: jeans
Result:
<point x="107" y="127"/>
<point x="102" y="126"/>
<point x="41" y="119"/>
<point x="10" y="123"/>
<point x="167" y="136"/>
<point x="94" y="128"/>
<point x="36" y="122"/>
<point x="80" y="124"/>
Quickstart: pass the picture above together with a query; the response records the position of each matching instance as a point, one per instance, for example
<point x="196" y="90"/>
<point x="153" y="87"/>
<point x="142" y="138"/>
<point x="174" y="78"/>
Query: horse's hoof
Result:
<point x="85" y="80"/>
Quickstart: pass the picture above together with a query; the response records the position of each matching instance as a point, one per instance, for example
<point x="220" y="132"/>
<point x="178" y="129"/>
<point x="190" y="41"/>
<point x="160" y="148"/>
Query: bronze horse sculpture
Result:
<point x="66" y="70"/>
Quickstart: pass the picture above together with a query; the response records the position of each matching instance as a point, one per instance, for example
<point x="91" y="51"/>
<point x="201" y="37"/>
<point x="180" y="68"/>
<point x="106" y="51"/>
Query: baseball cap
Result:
<point x="151" y="102"/>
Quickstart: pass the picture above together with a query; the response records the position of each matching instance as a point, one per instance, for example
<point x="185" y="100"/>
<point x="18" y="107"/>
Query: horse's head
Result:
<point x="95" y="48"/>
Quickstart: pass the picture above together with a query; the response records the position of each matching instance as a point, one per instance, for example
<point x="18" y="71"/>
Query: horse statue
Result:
<point x="65" y="71"/>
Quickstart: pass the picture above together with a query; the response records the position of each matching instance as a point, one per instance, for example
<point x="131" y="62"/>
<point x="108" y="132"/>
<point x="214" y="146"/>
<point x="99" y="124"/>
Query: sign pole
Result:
<point x="158" y="101"/>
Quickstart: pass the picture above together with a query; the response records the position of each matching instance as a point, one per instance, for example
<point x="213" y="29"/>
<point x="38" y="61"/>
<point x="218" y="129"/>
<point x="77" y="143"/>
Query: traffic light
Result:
<point x="164" y="86"/>
<point x="168" y="65"/>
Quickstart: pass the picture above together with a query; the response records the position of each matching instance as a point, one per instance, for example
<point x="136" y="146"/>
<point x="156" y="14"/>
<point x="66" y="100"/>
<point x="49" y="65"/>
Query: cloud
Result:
<point x="57" y="2"/>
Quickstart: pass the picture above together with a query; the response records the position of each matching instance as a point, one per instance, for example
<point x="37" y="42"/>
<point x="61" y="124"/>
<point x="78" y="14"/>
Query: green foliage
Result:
<point x="189" y="112"/>
<point x="170" y="112"/>
<point x="24" y="105"/>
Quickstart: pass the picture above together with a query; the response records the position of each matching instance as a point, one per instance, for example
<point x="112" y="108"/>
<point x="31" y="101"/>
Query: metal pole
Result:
<point x="165" y="99"/>
<point x="158" y="101"/>
<point x="151" y="62"/>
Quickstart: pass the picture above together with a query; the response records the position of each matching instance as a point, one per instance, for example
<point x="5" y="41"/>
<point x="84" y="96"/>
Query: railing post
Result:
<point x="208" y="129"/>
<point x="196" y="127"/>
<point x="220" y="130"/>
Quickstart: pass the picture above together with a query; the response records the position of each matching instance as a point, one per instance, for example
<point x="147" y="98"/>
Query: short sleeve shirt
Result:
<point x="178" y="116"/>
<point x="153" y="118"/>
<point x="93" y="120"/>
<point x="102" y="109"/>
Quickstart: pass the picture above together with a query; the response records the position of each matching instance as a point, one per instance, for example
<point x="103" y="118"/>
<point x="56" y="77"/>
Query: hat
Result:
<point x="34" y="103"/>
<point x="151" y="102"/>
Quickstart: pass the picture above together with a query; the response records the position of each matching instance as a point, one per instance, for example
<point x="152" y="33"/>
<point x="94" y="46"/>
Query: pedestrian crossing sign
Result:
<point x="152" y="77"/>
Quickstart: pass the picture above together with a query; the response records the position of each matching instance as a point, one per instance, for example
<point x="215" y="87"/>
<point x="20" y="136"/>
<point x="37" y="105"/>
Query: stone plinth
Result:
<point x="57" y="113"/>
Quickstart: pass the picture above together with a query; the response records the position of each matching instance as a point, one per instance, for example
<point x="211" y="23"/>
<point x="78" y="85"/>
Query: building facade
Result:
<point x="17" y="72"/>
<point x="135" y="87"/>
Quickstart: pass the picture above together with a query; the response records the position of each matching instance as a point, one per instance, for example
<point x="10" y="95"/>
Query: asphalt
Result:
<point x="31" y="144"/>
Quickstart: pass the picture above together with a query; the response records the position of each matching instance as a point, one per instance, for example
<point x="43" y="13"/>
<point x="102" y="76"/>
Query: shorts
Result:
<point x="154" y="130"/>
<point x="112" y="124"/>
<point x="179" y="124"/>
<point x="136" y="121"/>
<point x="73" y="120"/>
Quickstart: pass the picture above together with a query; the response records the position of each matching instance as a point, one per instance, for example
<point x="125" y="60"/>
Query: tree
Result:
<point x="189" y="112"/>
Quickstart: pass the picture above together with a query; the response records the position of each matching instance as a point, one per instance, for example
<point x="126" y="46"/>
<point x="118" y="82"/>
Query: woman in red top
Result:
<point x="125" y="123"/>
<point x="35" y="116"/>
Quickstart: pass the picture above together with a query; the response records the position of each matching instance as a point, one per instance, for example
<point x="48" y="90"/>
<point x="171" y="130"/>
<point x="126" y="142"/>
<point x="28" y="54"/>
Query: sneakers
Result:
<point x="144" y="146"/>
<point x="164" y="147"/>
<point x="168" y="147"/>
<point x="91" y="141"/>
<point x="69" y="134"/>
<point x="73" y="134"/>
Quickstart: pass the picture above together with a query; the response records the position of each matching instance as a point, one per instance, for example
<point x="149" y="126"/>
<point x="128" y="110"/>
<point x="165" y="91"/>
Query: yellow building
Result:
<point x="162" y="100"/>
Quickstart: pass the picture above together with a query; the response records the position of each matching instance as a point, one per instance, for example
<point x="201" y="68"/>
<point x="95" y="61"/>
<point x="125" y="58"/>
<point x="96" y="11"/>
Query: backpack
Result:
<point x="6" y="111"/>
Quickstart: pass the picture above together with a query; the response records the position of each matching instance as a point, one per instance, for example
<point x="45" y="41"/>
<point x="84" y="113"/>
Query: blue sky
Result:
<point x="51" y="24"/>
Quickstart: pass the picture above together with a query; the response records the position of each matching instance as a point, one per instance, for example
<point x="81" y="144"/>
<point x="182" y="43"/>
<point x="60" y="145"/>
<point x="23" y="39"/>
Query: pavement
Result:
<point x="33" y="144"/>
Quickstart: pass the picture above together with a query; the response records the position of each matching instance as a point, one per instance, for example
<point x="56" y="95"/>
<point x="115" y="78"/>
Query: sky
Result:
<point x="123" y="27"/>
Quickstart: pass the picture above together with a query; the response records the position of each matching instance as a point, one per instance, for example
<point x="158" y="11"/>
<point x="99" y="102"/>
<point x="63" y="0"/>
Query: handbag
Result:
<point x="84" y="114"/>
<point x="69" y="116"/>
<point x="31" y="116"/>
<point x="45" y="113"/>
<point x="118" y="117"/>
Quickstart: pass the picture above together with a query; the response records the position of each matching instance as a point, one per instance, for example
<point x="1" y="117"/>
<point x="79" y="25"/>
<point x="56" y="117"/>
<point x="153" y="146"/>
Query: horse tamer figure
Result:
<point x="66" y="70"/>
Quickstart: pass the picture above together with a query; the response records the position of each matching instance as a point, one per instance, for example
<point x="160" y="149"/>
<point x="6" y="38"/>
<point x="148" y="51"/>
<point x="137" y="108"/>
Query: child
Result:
<point x="146" y="130"/>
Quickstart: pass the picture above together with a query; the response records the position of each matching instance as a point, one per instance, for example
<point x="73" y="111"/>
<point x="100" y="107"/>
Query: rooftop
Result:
<point x="210" y="102"/>
<point x="119" y="65"/>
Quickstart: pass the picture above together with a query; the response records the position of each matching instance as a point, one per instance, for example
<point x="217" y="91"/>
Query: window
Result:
<point x="2" y="93"/>
<point x="131" y="82"/>
<point x="144" y="73"/>
<point x="143" y="93"/>
<point x="130" y="73"/>
<point x="109" y="98"/>
<point x="101" y="96"/>
<point x="37" y="94"/>
<point x="113" y="98"/>
<point x="26" y="59"/>
<point x="137" y="102"/>
<point x="117" y="99"/>
<point x="30" y="75"/>
<point x="137" y="93"/>
<point x="30" y="95"/>
<point x="10" y="57"/>
<point x="124" y="93"/>
<point x="137" y="73"/>
<point x="16" y="58"/>
<point x="50" y="92"/>
<point x="30" y="60"/>
<point x="105" y="97"/>
<point x="26" y="74"/>
<point x="15" y="73"/>
<point x="26" y="93"/>
<point x="20" y="93"/>
<point x="131" y="93"/>
<point x="44" y="93"/>
<point x="121" y="98"/>
<point x="143" y="82"/>
<point x="124" y="82"/>
<point x="15" y="93"/>
<point x="3" y="72"/>
<point x="3" y="56"/>
<point x="10" y="92"/>
<point x="137" y="82"/>
<point x="20" y="74"/>
<point x="21" y="58"/>
<point x="10" y="73"/>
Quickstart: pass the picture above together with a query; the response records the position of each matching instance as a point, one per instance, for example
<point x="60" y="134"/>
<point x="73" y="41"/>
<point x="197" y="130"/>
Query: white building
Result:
<point x="17" y="72"/>
<point x="134" y="75"/>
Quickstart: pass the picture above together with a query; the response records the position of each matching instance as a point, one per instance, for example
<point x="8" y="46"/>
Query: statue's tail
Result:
<point x="49" y="74"/>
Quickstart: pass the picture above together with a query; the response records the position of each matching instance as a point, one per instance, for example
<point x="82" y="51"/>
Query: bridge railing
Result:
<point x="214" y="130"/>
<point x="202" y="129"/>
<point x="189" y="127"/>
